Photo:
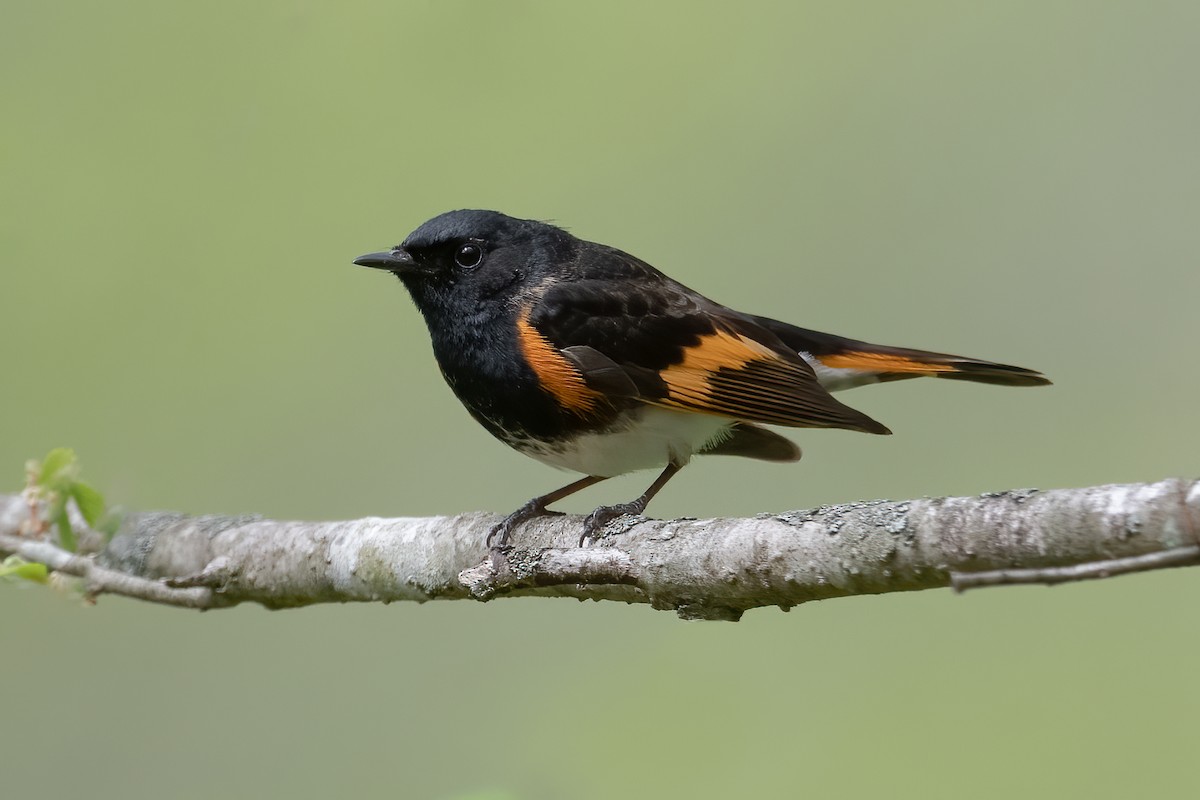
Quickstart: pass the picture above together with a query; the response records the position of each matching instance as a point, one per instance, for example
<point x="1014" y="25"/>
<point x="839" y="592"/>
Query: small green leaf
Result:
<point x="38" y="573"/>
<point x="58" y="464"/>
<point x="58" y="515"/>
<point x="90" y="502"/>
<point x="17" y="567"/>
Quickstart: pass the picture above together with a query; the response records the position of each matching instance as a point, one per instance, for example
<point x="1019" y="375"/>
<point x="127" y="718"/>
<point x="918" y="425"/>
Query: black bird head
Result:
<point x="461" y="261"/>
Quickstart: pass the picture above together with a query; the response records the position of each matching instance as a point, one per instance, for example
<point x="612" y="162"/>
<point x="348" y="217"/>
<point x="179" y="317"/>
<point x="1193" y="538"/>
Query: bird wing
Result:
<point x="656" y="341"/>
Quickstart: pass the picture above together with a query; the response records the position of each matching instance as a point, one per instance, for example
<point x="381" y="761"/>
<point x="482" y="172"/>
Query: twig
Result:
<point x="97" y="580"/>
<point x="1179" y="557"/>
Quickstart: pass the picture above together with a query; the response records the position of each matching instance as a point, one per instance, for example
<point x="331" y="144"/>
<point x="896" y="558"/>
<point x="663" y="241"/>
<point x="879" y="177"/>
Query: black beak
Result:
<point x="397" y="261"/>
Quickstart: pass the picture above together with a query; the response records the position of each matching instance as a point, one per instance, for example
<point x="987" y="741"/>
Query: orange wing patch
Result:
<point x="555" y="373"/>
<point x="882" y="362"/>
<point x="730" y="375"/>
<point x="689" y="380"/>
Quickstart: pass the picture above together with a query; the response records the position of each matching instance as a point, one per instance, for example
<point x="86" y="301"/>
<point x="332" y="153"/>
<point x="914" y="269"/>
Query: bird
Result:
<point x="589" y="359"/>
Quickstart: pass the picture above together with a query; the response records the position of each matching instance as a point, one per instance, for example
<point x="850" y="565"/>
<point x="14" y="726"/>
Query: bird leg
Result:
<point x="537" y="508"/>
<point x="603" y="515"/>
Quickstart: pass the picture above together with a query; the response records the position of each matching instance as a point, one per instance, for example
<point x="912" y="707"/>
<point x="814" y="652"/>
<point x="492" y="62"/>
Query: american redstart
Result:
<point x="587" y="358"/>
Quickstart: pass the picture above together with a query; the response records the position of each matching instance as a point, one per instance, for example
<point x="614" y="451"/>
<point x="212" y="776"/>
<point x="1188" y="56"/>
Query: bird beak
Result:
<point x="397" y="261"/>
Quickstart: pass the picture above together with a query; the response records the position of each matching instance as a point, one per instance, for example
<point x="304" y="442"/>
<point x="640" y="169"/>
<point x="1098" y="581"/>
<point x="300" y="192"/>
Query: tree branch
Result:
<point x="708" y="569"/>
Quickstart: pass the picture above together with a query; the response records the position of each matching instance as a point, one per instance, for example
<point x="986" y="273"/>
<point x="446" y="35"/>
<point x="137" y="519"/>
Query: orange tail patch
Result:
<point x="883" y="362"/>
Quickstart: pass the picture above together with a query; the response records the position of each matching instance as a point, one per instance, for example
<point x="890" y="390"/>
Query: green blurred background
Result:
<point x="183" y="187"/>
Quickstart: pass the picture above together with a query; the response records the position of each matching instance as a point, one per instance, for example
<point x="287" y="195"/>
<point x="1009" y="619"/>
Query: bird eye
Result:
<point x="469" y="255"/>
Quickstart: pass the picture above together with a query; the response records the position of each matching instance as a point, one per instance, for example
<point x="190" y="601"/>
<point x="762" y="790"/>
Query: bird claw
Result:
<point x="503" y="529"/>
<point x="593" y="526"/>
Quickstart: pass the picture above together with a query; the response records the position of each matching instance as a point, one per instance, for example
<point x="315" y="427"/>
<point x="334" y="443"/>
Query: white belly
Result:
<point x="648" y="437"/>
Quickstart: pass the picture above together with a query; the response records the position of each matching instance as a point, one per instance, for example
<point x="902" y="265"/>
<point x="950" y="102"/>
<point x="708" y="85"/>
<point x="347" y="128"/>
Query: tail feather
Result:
<point x="849" y="362"/>
<point x="751" y="441"/>
<point x="997" y="374"/>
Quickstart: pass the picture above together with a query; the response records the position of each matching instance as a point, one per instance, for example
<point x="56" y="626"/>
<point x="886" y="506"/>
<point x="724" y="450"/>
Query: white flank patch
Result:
<point x="835" y="380"/>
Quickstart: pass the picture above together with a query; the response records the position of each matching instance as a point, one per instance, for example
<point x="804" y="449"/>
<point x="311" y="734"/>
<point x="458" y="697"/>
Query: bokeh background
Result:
<point x="183" y="187"/>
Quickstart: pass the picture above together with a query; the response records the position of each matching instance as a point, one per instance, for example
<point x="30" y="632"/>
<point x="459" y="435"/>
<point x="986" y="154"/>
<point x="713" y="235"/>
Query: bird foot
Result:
<point x="593" y="526"/>
<point x="502" y="530"/>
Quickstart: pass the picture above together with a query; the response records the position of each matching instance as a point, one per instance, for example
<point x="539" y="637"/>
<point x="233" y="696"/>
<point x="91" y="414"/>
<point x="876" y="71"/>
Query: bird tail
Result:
<point x="841" y="363"/>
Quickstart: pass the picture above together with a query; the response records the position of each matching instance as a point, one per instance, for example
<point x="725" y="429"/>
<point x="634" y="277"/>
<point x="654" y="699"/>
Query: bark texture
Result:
<point x="707" y="569"/>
